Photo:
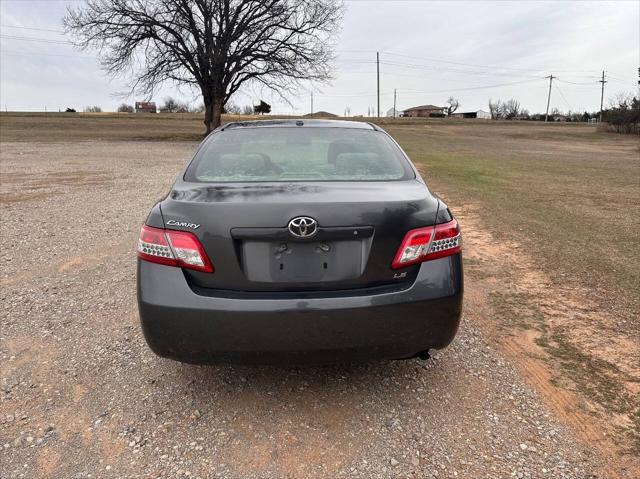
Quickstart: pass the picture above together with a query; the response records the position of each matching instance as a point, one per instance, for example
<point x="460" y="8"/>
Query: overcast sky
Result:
<point x="428" y="51"/>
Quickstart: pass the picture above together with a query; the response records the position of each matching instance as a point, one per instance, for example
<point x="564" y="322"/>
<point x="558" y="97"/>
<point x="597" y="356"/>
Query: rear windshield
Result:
<point x="298" y="154"/>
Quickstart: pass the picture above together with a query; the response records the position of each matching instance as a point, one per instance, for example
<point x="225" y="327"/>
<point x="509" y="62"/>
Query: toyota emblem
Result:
<point x="303" y="227"/>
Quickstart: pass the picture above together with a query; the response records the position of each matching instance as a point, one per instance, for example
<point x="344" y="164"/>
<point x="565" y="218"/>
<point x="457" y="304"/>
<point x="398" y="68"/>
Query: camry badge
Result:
<point x="183" y="224"/>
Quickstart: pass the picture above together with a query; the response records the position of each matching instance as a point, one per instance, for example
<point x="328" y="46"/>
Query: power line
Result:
<point x="475" y="88"/>
<point x="575" y="83"/>
<point x="471" y="72"/>
<point x="437" y="60"/>
<point x="482" y="87"/>
<point x="437" y="69"/>
<point x="13" y="52"/>
<point x="355" y="61"/>
<point x="476" y="69"/>
<point x="562" y="96"/>
<point x="476" y="65"/>
<point x="33" y="28"/>
<point x="33" y="39"/>
<point x="454" y="70"/>
<point x="355" y="95"/>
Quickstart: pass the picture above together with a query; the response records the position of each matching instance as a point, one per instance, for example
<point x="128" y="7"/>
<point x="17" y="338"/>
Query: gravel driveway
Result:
<point x="82" y="395"/>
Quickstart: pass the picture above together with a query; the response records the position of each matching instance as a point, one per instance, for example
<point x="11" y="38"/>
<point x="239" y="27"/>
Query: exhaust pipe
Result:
<point x="424" y="355"/>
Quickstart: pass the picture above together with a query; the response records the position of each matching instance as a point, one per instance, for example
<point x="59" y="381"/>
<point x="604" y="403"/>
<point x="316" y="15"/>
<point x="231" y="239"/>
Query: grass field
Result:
<point x="568" y="192"/>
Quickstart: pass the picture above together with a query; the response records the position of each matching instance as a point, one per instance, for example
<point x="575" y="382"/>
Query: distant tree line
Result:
<point x="512" y="110"/>
<point x="506" y="110"/>
<point x="624" y="115"/>
<point x="171" y="105"/>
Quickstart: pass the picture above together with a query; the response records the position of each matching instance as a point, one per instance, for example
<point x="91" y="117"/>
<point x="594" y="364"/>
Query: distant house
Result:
<point x="391" y="113"/>
<point x="424" y="111"/>
<point x="481" y="114"/>
<point x="320" y="114"/>
<point x="146" y="107"/>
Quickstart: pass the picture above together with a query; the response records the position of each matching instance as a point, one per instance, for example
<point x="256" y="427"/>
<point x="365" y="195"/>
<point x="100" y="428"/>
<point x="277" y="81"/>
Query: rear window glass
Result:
<point x="298" y="154"/>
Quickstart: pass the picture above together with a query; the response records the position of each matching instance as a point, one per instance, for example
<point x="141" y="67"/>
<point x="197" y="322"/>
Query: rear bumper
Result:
<point x="183" y="325"/>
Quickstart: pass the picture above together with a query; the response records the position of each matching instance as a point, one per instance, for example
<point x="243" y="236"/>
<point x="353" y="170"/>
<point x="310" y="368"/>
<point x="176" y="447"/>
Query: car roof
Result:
<point x="300" y="122"/>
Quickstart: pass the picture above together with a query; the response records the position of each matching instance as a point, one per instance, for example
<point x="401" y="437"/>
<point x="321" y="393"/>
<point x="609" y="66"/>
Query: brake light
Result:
<point x="173" y="248"/>
<point x="425" y="244"/>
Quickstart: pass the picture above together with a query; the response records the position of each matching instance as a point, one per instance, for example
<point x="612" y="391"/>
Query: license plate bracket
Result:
<point x="303" y="262"/>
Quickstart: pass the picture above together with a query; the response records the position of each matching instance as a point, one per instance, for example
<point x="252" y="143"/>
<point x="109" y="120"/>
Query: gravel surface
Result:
<point x="82" y="395"/>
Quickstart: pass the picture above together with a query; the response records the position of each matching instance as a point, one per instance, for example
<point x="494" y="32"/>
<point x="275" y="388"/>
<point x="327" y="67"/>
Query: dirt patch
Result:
<point x="556" y="336"/>
<point x="47" y="184"/>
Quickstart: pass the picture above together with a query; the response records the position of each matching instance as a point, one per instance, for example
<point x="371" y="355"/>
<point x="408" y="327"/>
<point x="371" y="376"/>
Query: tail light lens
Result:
<point x="424" y="244"/>
<point x="173" y="248"/>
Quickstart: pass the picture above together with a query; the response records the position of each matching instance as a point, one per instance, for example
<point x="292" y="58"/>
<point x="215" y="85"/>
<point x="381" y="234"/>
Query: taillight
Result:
<point x="432" y="242"/>
<point x="173" y="248"/>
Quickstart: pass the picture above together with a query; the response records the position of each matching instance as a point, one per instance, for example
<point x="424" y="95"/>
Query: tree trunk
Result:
<point x="217" y="111"/>
<point x="208" y="113"/>
<point x="212" y="111"/>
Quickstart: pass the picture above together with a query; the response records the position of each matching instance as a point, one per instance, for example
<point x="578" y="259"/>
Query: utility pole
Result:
<point x="603" y="81"/>
<point x="311" y="104"/>
<point x="378" y="75"/>
<point x="546" y="115"/>
<point x="394" y="103"/>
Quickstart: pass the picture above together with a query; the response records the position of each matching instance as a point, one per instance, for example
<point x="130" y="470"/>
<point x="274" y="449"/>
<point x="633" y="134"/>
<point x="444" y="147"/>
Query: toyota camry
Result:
<point x="290" y="241"/>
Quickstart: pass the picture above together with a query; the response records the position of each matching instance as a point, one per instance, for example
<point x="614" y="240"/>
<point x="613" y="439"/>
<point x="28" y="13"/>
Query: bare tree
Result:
<point x="171" y="105"/>
<point x="495" y="108"/>
<point x="504" y="110"/>
<point x="213" y="45"/>
<point x="92" y="109"/>
<point x="452" y="105"/>
<point x="247" y="110"/>
<point x="621" y="100"/>
<point x="511" y="109"/>
<point x="232" y="108"/>
<point x="125" y="108"/>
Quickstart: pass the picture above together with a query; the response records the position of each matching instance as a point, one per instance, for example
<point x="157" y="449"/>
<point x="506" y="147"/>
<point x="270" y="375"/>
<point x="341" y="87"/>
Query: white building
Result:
<point x="481" y="114"/>
<point x="391" y="111"/>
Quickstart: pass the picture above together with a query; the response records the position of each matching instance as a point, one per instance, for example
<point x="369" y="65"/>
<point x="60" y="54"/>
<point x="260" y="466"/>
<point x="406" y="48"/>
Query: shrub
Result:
<point x="124" y="108"/>
<point x="262" y="108"/>
<point x="624" y="117"/>
<point x="171" y="105"/>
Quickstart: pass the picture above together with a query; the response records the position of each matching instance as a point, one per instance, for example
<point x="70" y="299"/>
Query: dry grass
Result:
<point x="54" y="127"/>
<point x="569" y="193"/>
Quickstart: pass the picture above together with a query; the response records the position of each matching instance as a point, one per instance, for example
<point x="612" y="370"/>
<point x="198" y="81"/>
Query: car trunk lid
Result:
<point x="244" y="230"/>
